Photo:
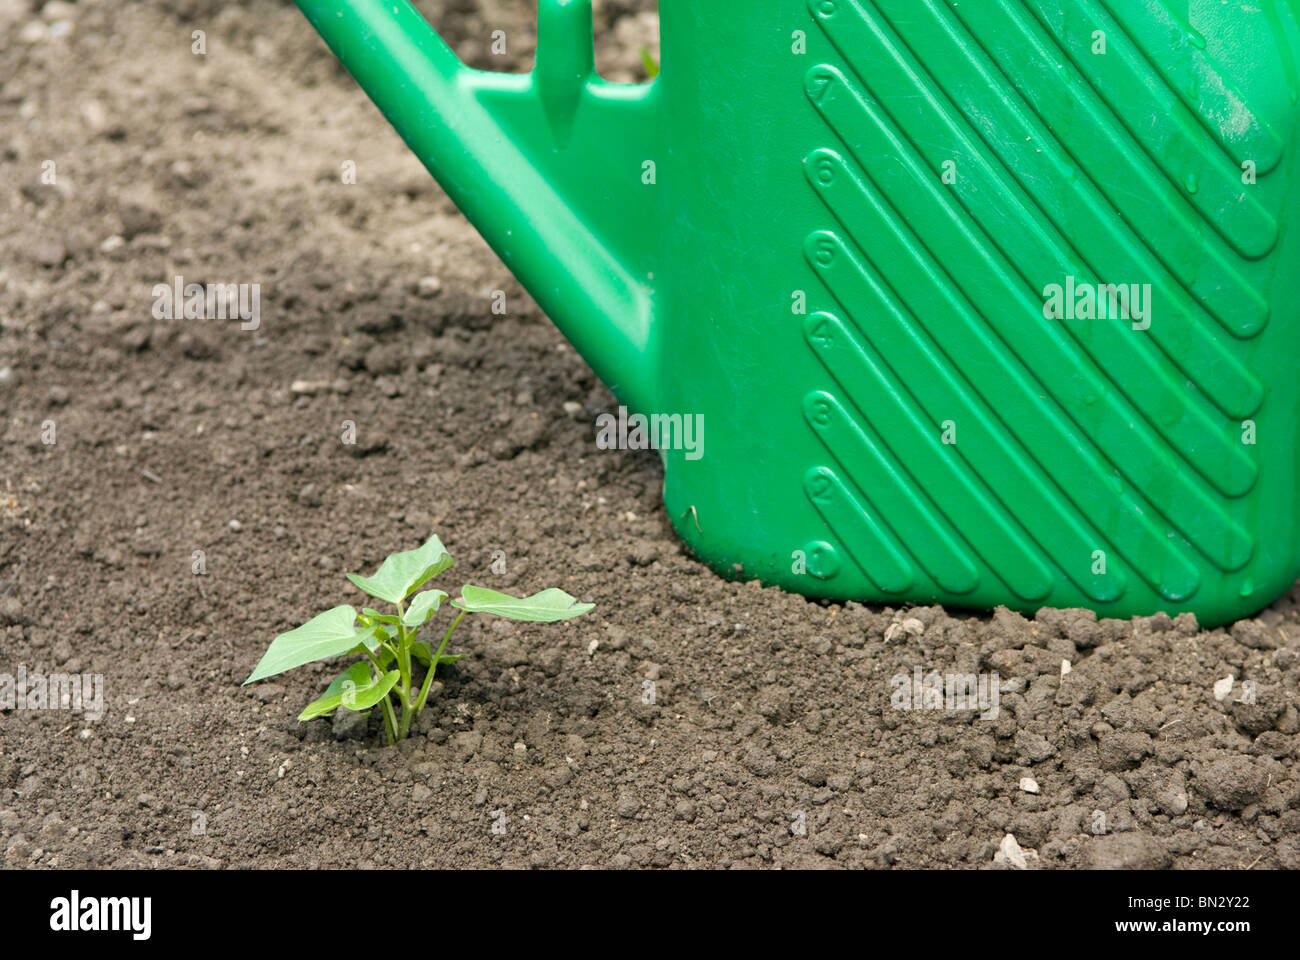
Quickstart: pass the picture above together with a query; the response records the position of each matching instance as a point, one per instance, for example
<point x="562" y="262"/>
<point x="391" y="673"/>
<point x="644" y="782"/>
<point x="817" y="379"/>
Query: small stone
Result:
<point x="308" y="388"/>
<point x="429" y="287"/>
<point x="1223" y="688"/>
<point x="913" y="627"/>
<point x="573" y="409"/>
<point x="1028" y="784"/>
<point x="235" y="526"/>
<point x="1009" y="852"/>
<point x="309" y="495"/>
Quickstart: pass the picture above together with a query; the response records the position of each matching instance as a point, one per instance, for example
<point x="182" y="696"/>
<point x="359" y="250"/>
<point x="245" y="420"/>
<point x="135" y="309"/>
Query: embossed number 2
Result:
<point x="821" y="488"/>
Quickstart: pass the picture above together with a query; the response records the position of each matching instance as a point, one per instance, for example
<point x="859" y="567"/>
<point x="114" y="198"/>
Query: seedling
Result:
<point x="387" y="641"/>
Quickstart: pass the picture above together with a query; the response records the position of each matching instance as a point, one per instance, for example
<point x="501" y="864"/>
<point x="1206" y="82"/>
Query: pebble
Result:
<point x="309" y="495"/>
<point x="1223" y="688"/>
<point x="1029" y="784"/>
<point x="235" y="525"/>
<point x="1009" y="852"/>
<point x="429" y="287"/>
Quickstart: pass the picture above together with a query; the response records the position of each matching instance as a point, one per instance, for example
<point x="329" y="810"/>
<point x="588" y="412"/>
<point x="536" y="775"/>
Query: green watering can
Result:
<point x="981" y="301"/>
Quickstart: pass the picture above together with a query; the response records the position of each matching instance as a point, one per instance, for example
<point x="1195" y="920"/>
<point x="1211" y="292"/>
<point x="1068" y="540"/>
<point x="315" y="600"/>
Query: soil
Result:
<point x="687" y="722"/>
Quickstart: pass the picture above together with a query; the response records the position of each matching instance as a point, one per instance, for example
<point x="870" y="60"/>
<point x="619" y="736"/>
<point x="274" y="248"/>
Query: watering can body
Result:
<point x="979" y="303"/>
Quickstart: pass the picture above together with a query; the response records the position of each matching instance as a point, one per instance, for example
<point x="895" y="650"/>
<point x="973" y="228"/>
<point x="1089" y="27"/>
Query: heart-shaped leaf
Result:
<point x="545" y="607"/>
<point x="331" y="634"/>
<point x="356" y="689"/>
<point x="403" y="573"/>
<point x="423" y="607"/>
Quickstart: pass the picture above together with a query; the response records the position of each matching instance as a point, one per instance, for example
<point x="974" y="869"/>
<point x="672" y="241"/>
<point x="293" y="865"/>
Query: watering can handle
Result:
<point x="539" y="163"/>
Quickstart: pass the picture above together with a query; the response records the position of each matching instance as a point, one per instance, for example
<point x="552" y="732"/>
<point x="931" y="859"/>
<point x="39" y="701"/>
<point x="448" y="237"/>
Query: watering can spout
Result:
<point x="548" y="166"/>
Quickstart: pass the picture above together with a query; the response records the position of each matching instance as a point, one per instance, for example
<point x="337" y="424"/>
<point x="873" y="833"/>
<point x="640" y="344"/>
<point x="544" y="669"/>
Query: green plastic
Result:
<point x="832" y="227"/>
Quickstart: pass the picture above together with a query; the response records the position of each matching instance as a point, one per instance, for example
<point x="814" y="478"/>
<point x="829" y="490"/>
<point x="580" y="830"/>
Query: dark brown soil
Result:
<point x="771" y="739"/>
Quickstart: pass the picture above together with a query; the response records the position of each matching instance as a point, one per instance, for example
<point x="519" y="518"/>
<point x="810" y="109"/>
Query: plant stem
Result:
<point x="404" y="668"/>
<point x="433" y="665"/>
<point x="390" y="722"/>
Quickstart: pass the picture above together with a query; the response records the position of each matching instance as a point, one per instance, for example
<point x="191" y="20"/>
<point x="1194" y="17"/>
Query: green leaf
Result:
<point x="377" y="617"/>
<point x="647" y="61"/>
<point x="403" y="573"/>
<point x="545" y="607"/>
<point x="358" y="675"/>
<point x="332" y="634"/>
<point x="356" y="689"/>
<point x="423" y="607"/>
